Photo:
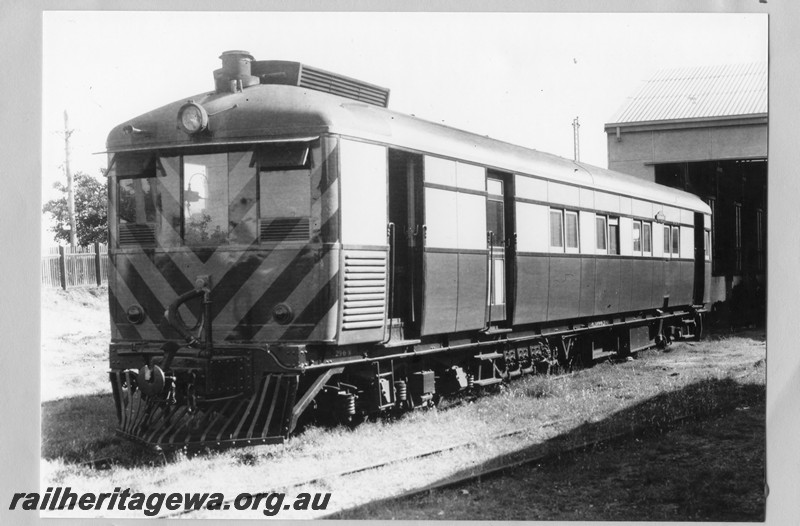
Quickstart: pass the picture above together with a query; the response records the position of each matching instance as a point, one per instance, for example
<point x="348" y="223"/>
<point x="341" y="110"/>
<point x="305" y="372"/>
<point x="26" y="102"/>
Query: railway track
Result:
<point x="512" y="461"/>
<point x="398" y="460"/>
<point x="107" y="462"/>
<point x="497" y="466"/>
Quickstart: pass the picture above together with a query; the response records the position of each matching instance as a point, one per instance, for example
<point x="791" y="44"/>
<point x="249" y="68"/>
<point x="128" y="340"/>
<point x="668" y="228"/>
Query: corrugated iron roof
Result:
<point x="698" y="93"/>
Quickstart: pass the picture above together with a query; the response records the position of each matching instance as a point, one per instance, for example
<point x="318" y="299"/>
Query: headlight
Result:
<point x="135" y="314"/>
<point x="192" y="118"/>
<point x="282" y="313"/>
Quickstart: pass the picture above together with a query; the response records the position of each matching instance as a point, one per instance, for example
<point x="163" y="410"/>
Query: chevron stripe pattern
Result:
<point x="249" y="276"/>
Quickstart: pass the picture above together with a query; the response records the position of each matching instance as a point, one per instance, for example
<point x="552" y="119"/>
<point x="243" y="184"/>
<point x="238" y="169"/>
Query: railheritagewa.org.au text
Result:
<point x="152" y="504"/>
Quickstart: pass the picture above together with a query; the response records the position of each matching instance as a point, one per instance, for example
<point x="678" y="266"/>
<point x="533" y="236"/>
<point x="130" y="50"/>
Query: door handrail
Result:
<point x="490" y="255"/>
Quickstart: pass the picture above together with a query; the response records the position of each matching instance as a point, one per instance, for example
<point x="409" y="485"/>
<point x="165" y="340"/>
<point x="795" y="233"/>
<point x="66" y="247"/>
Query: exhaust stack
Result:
<point x="235" y="72"/>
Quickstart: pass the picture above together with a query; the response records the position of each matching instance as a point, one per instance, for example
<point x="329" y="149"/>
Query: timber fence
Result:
<point x="79" y="267"/>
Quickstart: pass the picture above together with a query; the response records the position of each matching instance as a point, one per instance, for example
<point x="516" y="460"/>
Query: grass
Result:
<point x="710" y="469"/>
<point x="75" y="336"/>
<point x="78" y="422"/>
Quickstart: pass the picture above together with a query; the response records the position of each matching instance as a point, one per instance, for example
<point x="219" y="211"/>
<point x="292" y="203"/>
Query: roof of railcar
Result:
<point x="265" y="112"/>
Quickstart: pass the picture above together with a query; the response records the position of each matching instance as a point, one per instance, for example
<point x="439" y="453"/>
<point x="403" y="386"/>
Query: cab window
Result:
<point x="240" y="196"/>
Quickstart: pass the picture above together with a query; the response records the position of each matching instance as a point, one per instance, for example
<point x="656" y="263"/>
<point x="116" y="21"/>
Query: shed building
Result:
<point x="704" y="130"/>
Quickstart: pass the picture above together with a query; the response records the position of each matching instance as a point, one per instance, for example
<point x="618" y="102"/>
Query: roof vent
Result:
<point x="235" y="73"/>
<point x="239" y="70"/>
<point x="297" y="74"/>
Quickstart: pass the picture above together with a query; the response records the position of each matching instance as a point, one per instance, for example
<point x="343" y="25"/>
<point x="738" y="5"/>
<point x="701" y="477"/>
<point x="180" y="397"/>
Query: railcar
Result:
<point x="287" y="245"/>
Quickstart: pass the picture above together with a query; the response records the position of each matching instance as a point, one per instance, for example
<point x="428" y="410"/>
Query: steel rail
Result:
<point x="513" y="464"/>
<point x="508" y="461"/>
<point x="384" y="463"/>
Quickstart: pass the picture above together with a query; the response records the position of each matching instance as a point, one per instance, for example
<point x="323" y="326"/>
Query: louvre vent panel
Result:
<point x="319" y="80"/>
<point x="364" y="290"/>
<point x="308" y="77"/>
<point x="136" y="234"/>
<point x="284" y="229"/>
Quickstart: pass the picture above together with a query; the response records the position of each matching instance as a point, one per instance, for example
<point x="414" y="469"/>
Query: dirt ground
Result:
<point x="701" y="380"/>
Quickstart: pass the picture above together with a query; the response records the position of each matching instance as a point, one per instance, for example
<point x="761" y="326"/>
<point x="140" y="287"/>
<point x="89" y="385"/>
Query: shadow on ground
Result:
<point x="695" y="454"/>
<point x="82" y="430"/>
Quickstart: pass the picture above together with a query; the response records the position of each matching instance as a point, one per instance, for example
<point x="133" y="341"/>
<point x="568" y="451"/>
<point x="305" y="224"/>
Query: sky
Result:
<point x="518" y="77"/>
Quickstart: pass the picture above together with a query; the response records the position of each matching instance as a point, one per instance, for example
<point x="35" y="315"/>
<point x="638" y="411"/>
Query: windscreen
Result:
<point x="260" y="194"/>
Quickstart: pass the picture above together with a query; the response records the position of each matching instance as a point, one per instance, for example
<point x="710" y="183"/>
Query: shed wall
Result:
<point x="636" y="151"/>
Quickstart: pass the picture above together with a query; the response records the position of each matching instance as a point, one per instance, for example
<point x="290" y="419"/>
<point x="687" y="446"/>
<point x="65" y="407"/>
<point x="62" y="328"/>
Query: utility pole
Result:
<point x="577" y="144"/>
<point x="70" y="193"/>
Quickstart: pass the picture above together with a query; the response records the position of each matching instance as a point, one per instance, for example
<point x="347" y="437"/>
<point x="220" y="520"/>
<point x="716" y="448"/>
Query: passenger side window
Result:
<point x="613" y="235"/>
<point x="642" y="238"/>
<point x="556" y="230"/>
<point x="495" y="221"/>
<point x="600" y="232"/>
<point x="676" y="246"/>
<point x="667" y="244"/>
<point x="637" y="237"/>
<point x="564" y="235"/>
<point x="571" y="231"/>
